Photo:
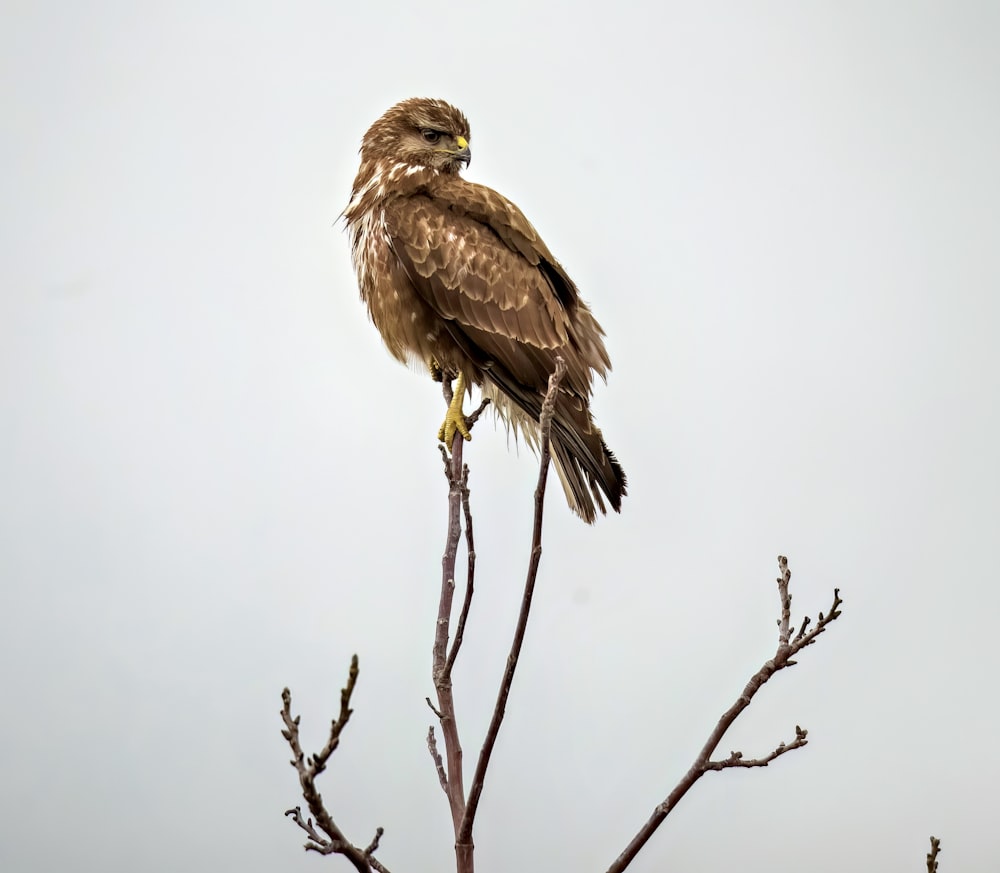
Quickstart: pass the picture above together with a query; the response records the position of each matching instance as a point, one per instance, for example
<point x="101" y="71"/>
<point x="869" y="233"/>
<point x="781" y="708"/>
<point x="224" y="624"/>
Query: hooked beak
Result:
<point x="464" y="153"/>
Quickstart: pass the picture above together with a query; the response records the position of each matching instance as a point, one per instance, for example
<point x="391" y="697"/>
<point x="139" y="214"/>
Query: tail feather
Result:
<point x="587" y="468"/>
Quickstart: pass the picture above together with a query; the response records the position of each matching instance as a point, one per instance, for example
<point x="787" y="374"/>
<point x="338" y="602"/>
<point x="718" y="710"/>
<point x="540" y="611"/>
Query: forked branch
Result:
<point x="788" y="646"/>
<point x="332" y="840"/>
<point x="450" y="770"/>
<point x="449" y="767"/>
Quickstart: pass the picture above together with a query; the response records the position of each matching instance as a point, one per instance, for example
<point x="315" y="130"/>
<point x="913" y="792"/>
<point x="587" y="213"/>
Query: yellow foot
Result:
<point x="454" y="420"/>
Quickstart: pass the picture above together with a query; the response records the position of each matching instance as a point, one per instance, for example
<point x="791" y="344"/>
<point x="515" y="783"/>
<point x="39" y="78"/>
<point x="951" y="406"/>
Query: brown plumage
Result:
<point x="456" y="277"/>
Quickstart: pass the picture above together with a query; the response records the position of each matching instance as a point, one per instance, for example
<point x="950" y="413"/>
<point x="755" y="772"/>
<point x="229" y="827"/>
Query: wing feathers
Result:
<point x="465" y="273"/>
<point x="508" y="305"/>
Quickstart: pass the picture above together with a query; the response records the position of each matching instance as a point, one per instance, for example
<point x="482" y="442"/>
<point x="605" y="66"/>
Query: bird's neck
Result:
<point x="381" y="180"/>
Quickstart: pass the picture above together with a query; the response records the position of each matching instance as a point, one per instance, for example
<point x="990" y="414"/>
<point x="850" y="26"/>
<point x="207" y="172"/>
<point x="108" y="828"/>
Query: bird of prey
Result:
<point x="457" y="279"/>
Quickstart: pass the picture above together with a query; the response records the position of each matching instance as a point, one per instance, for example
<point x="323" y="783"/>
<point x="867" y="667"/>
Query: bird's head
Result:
<point x="421" y="133"/>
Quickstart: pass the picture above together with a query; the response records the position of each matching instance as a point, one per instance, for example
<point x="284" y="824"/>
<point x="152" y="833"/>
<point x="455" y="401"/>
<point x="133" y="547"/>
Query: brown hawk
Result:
<point x="457" y="278"/>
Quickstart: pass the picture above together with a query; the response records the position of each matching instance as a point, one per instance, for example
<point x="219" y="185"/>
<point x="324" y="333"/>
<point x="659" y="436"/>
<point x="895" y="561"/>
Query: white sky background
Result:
<point x="216" y="483"/>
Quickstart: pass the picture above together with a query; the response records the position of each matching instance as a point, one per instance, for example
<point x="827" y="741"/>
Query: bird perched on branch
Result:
<point x="455" y="277"/>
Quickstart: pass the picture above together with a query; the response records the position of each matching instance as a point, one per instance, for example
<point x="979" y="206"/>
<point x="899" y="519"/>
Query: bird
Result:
<point x="457" y="280"/>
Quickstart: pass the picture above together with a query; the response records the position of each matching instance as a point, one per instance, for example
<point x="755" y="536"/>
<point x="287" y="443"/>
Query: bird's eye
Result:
<point x="431" y="136"/>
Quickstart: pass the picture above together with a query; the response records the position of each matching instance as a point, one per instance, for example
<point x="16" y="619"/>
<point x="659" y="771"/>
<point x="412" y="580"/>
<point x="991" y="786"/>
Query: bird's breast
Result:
<point x="409" y="327"/>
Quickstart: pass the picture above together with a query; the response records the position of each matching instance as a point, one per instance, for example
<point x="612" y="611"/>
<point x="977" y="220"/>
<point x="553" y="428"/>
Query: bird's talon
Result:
<point x="454" y="422"/>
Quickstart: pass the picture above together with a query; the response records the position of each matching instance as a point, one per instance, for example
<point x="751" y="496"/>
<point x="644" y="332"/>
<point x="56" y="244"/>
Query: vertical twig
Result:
<point x="451" y="775"/>
<point x="478" y="779"/>
<point x="470" y="575"/>
<point x="932" y="863"/>
<point x="441" y="673"/>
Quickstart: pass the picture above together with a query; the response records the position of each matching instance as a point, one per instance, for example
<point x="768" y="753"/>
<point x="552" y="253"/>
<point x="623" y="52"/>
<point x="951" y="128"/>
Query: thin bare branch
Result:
<point x="443" y="657"/>
<point x="736" y="759"/>
<point x="451" y="777"/>
<point x="308" y="768"/>
<point x="372" y="847"/>
<point x="784" y="623"/>
<point x="338" y="724"/>
<point x="478" y="779"/>
<point x="477" y="412"/>
<point x="804" y="637"/>
<point x="442" y="681"/>
<point x="470" y="571"/>
<point x="432" y="747"/>
<point x="932" y="863"/>
<point x="703" y="763"/>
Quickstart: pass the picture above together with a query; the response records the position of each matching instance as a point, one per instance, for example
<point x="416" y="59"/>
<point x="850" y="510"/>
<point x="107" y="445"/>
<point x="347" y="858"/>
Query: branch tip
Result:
<point x="703" y="763"/>
<point x="932" y="863"/>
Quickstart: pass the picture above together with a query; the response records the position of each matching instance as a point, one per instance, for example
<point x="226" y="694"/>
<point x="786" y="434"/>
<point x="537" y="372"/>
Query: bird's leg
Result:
<point x="437" y="374"/>
<point x="454" y="419"/>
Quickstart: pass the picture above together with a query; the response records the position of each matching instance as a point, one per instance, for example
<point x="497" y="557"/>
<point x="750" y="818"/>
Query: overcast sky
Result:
<point x="216" y="482"/>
